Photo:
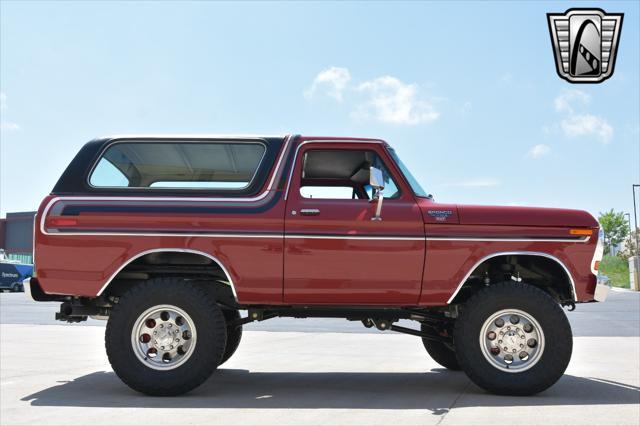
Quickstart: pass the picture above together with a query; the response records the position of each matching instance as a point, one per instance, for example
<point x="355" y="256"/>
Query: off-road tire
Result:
<point x="553" y="360"/>
<point x="234" y="334"/>
<point x="441" y="354"/>
<point x="207" y="318"/>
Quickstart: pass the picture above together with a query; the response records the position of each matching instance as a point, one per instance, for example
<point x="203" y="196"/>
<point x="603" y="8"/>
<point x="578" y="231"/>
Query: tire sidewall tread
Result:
<point x="210" y="327"/>
<point x="532" y="300"/>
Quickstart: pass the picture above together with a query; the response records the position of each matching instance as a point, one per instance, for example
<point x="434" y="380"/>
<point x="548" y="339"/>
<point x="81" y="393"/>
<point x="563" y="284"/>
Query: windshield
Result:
<point x="415" y="186"/>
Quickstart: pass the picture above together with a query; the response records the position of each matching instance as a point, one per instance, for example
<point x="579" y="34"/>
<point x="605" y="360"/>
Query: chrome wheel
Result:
<point x="163" y="337"/>
<point x="512" y="340"/>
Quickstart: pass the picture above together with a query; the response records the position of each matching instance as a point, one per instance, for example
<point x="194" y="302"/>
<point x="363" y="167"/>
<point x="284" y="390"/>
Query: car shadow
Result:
<point x="234" y="388"/>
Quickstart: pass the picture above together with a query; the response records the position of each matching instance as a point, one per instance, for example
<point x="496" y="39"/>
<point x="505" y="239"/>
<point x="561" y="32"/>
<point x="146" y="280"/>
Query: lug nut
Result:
<point x="495" y="351"/>
<point x="499" y="322"/>
<point x="532" y="343"/>
<point x="508" y="359"/>
<point x="524" y="356"/>
<point x="514" y="319"/>
<point x="528" y="328"/>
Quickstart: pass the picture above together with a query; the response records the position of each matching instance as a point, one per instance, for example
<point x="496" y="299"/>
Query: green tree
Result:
<point x="615" y="228"/>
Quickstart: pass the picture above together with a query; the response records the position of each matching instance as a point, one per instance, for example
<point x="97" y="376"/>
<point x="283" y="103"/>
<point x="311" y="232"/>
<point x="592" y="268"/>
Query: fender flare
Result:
<point x="516" y="253"/>
<point x="170" y="250"/>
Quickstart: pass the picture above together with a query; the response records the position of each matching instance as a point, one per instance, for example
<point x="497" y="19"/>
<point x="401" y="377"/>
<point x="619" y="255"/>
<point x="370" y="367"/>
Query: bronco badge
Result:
<point x="585" y="42"/>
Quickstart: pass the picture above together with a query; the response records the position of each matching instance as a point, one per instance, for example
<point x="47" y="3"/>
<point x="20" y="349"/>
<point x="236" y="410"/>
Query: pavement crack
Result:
<point x="453" y="403"/>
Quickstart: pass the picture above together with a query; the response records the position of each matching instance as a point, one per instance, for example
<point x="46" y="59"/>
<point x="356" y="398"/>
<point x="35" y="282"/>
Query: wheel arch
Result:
<point x="123" y="267"/>
<point x="567" y="285"/>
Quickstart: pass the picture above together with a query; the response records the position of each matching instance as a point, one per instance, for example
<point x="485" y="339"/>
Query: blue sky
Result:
<point x="467" y="93"/>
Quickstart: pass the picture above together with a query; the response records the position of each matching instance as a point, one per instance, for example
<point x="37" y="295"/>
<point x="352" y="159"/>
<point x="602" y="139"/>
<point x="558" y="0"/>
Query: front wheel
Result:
<point x="513" y="339"/>
<point x="165" y="336"/>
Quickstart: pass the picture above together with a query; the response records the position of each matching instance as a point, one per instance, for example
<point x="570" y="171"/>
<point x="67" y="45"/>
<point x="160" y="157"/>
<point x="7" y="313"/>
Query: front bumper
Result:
<point x="602" y="289"/>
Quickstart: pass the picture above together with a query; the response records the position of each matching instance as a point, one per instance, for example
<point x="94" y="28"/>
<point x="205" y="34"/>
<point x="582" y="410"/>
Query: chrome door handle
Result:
<point x="309" y="212"/>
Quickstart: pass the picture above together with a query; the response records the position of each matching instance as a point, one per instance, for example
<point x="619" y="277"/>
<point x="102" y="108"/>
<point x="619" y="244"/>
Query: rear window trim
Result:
<point x="125" y="189"/>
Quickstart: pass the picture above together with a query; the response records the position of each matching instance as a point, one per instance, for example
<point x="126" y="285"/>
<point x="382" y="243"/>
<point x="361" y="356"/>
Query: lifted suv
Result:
<point x="168" y="238"/>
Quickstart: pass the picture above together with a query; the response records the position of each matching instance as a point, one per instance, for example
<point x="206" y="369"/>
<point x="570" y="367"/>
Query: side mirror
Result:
<point x="376" y="180"/>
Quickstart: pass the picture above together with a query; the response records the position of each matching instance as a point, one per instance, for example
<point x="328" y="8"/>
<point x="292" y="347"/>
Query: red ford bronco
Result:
<point x="169" y="238"/>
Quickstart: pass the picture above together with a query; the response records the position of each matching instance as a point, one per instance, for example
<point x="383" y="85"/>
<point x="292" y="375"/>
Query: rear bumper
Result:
<point x="602" y="289"/>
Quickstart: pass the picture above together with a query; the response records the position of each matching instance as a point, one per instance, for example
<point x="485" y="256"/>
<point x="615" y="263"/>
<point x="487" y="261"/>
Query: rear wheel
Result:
<point x="165" y="336"/>
<point x="513" y="339"/>
<point x="234" y="334"/>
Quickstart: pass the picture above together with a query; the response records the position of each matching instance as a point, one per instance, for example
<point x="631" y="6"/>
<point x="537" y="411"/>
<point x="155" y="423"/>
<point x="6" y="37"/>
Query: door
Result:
<point x="334" y="252"/>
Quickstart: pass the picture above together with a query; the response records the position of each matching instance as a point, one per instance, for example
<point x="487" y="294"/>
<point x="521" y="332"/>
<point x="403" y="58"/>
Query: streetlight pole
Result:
<point x="635" y="216"/>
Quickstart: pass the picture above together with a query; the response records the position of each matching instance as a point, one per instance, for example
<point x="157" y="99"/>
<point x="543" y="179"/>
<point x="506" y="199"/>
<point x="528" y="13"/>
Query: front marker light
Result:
<point x="599" y="253"/>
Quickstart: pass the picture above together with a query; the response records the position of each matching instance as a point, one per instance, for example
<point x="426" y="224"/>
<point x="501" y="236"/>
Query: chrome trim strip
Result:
<point x="168" y="234"/>
<point x="45" y="212"/>
<point x="179" y="250"/>
<point x="295" y="157"/>
<point x="241" y="235"/>
<point x="352" y="237"/>
<point x="543" y="240"/>
<point x="513" y="253"/>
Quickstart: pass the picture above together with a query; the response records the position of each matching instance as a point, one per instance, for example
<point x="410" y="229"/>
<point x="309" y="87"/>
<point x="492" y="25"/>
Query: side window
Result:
<point x="342" y="174"/>
<point x="182" y="165"/>
<point x="106" y="174"/>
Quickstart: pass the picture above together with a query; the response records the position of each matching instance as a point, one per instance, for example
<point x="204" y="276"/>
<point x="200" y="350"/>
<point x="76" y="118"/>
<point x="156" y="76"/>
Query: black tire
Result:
<point x="234" y="334"/>
<point x="208" y="321"/>
<point x="551" y="363"/>
<point x="441" y="354"/>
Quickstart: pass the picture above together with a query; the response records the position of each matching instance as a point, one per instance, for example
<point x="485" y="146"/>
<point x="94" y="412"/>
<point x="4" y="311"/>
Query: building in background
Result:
<point x="16" y="236"/>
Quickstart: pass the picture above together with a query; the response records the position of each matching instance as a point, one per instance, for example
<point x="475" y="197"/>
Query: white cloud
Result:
<point x="477" y="183"/>
<point x="577" y="121"/>
<point x="538" y="151"/>
<point x="587" y="125"/>
<point x="386" y="99"/>
<point x="333" y="81"/>
<point x="6" y="125"/>
<point x="389" y="100"/>
<point x="570" y="99"/>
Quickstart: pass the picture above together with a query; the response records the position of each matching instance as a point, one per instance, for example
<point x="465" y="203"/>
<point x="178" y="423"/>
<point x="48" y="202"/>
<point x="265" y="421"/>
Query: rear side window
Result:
<point x="178" y="165"/>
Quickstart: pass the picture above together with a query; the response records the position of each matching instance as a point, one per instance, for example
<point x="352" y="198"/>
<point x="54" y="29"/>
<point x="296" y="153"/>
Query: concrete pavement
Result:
<point x="56" y="374"/>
